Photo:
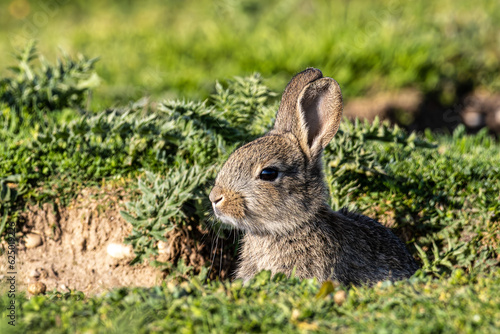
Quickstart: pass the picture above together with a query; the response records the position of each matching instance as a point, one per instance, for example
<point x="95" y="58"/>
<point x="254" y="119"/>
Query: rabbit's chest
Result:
<point x="309" y="256"/>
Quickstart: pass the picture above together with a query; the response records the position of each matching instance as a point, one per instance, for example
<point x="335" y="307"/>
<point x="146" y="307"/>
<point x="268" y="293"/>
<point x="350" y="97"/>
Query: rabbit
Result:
<point x="273" y="189"/>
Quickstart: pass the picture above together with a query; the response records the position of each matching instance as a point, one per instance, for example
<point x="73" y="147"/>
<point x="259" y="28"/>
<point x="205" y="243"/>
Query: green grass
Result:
<point x="458" y="304"/>
<point x="177" y="49"/>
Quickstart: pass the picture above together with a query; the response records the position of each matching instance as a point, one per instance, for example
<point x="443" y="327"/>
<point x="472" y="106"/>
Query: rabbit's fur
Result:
<point x="287" y="222"/>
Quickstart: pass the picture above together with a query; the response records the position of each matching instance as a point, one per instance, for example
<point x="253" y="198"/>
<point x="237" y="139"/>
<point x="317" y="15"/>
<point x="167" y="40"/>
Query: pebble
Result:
<point x="339" y="297"/>
<point x="473" y="119"/>
<point x="37" y="288"/>
<point x="119" y="251"/>
<point x="33" y="240"/>
<point x="64" y="287"/>
<point x="163" y="248"/>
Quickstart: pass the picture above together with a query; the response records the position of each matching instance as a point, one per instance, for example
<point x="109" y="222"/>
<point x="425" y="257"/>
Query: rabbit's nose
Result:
<point x="216" y="196"/>
<point x="218" y="200"/>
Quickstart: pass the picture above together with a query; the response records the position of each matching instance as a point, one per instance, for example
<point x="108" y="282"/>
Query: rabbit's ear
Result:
<point x="320" y="106"/>
<point x="311" y="109"/>
<point x="288" y="118"/>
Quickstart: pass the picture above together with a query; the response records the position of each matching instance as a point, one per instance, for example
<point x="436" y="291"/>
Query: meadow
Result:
<point x="178" y="86"/>
<point x="178" y="49"/>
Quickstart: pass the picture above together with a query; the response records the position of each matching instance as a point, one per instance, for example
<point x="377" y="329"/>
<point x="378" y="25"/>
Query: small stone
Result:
<point x="32" y="240"/>
<point x="163" y="248"/>
<point x="339" y="297"/>
<point x="37" y="288"/>
<point x="120" y="251"/>
<point x="473" y="119"/>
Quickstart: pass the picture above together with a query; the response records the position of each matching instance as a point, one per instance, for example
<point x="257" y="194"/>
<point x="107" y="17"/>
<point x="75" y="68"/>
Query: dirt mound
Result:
<point x="80" y="247"/>
<point x="384" y="105"/>
<point x="413" y="110"/>
<point x="481" y="109"/>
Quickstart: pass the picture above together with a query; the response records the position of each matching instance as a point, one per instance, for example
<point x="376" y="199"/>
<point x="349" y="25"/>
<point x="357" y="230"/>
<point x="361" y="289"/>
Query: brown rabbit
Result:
<point x="273" y="189"/>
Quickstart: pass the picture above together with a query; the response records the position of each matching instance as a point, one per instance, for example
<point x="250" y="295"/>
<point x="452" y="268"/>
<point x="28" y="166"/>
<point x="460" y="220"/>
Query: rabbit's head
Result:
<point x="275" y="183"/>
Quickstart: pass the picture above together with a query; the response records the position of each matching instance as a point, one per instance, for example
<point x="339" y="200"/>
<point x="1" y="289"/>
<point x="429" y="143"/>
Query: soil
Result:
<point x="81" y="247"/>
<point x="414" y="111"/>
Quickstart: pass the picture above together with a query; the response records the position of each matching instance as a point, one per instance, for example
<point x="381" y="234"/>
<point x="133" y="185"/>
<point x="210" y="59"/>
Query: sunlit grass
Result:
<point x="178" y="48"/>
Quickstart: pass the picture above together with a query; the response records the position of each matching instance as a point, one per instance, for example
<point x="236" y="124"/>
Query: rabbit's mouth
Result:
<point x="228" y="205"/>
<point x="224" y="219"/>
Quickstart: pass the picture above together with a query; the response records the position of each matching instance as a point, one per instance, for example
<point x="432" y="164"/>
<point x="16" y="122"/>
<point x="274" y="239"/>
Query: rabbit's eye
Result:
<point x="268" y="174"/>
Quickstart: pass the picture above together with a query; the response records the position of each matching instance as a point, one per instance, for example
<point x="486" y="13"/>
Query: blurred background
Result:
<point x="419" y="64"/>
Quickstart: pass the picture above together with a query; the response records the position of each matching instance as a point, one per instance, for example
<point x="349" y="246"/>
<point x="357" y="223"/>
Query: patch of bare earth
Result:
<point x="81" y="247"/>
<point x="414" y="111"/>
